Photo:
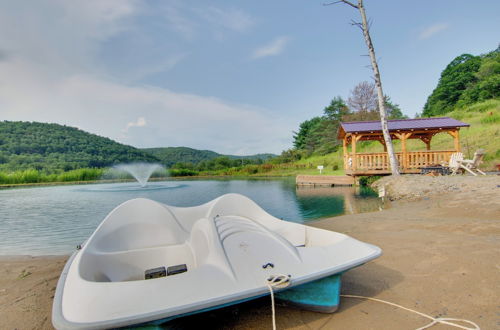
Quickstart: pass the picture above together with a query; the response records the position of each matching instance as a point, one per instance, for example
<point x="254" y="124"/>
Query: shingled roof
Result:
<point x="400" y="125"/>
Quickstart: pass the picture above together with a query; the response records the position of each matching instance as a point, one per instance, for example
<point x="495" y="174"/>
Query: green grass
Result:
<point x="35" y="176"/>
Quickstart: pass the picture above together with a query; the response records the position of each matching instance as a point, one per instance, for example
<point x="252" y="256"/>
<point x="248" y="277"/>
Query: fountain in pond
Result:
<point x="140" y="171"/>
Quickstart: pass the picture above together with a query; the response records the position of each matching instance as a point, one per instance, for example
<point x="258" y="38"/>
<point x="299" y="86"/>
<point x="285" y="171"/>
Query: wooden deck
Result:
<point x="324" y="180"/>
<point x="378" y="163"/>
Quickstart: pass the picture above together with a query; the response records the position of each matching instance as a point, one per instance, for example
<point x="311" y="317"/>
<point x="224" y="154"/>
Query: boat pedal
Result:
<point x="155" y="273"/>
<point x="177" y="269"/>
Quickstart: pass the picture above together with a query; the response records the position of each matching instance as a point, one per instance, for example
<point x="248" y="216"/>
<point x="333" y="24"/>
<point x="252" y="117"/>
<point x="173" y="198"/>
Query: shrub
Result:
<point x="183" y="172"/>
<point x="368" y="180"/>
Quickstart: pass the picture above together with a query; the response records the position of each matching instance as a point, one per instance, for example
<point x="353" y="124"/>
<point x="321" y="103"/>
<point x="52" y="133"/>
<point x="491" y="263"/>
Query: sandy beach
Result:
<point x="441" y="257"/>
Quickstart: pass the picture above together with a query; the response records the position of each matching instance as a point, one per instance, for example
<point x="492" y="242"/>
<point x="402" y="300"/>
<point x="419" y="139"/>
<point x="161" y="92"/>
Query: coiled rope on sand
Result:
<point x="434" y="320"/>
<point x="283" y="281"/>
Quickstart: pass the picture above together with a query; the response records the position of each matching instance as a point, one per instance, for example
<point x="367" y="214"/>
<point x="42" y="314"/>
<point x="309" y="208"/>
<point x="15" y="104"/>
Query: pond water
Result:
<point x="53" y="220"/>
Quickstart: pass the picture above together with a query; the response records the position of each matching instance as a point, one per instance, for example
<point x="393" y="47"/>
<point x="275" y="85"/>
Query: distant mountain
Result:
<point x="172" y="155"/>
<point x="53" y="147"/>
<point x="169" y="156"/>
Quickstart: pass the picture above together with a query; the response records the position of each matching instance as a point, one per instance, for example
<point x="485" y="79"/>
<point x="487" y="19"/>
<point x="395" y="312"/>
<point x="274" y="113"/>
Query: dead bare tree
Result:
<point x="364" y="26"/>
<point x="363" y="101"/>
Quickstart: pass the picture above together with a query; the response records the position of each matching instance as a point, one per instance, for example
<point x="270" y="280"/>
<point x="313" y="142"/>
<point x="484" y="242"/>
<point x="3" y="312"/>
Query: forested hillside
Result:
<point x="468" y="79"/>
<point x="55" y="148"/>
<point x="170" y="156"/>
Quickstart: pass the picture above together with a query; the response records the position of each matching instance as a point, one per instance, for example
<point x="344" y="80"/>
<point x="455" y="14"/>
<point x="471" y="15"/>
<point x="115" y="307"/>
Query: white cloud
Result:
<point x="62" y="36"/>
<point x="276" y="47"/>
<point x="432" y="30"/>
<point x="147" y="69"/>
<point x="178" y="20"/>
<point x="140" y="122"/>
<point x="104" y="107"/>
<point x="50" y="73"/>
<point x="189" y="21"/>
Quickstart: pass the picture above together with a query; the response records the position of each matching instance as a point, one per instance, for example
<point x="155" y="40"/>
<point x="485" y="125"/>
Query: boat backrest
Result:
<point x="137" y="224"/>
<point x="206" y="246"/>
<point x="239" y="205"/>
<point x="200" y="241"/>
<point x="235" y="204"/>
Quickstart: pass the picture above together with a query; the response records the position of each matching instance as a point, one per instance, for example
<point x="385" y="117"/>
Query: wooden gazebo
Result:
<point x="403" y="129"/>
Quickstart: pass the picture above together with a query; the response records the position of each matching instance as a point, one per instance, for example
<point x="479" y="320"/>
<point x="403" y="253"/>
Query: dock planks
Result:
<point x="324" y="180"/>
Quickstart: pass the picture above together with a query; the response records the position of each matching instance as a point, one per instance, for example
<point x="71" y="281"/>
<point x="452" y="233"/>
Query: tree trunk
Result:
<point x="378" y="83"/>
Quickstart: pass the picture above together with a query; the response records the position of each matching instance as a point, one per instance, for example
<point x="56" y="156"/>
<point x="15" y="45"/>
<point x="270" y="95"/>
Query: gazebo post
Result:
<point x="354" y="138"/>
<point x="346" y="153"/>
<point x="403" y="137"/>
<point x="456" y="139"/>
<point x="353" y="156"/>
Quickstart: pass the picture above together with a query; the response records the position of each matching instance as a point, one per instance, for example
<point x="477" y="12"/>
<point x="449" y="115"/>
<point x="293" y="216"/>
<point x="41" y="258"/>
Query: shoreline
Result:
<point x="439" y="257"/>
<point x="164" y="179"/>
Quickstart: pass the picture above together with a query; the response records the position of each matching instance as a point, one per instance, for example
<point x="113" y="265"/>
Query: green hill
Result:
<point x="169" y="156"/>
<point x="467" y="80"/>
<point x="55" y="148"/>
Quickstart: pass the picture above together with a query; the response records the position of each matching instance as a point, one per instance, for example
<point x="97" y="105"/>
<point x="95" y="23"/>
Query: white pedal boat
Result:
<point x="217" y="254"/>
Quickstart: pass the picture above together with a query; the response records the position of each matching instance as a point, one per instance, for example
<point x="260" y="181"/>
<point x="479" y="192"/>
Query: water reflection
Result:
<point x="332" y="201"/>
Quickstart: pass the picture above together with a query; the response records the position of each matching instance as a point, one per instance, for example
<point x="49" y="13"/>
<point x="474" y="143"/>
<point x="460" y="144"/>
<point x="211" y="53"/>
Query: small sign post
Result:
<point x="320" y="168"/>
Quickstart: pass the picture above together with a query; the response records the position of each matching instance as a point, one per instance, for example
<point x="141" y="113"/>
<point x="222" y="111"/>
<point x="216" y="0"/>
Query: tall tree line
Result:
<point x="318" y="135"/>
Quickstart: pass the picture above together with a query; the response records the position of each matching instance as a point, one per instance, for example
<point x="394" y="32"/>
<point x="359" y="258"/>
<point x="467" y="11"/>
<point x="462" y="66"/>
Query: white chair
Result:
<point x="454" y="164"/>
<point x="471" y="165"/>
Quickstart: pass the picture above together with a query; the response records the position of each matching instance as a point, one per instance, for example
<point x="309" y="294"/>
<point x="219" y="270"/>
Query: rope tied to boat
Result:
<point x="283" y="281"/>
<point x="276" y="282"/>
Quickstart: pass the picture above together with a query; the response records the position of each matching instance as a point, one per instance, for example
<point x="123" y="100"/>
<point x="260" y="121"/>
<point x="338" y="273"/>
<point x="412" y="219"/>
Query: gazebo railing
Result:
<point x="419" y="159"/>
<point x="408" y="160"/>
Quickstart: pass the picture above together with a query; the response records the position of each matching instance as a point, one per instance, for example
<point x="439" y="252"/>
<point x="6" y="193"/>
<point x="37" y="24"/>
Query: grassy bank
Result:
<point x="86" y="175"/>
<point x="35" y="176"/>
<point x="81" y="175"/>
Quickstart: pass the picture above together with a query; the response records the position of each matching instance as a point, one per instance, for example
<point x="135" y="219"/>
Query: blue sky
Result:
<point x="236" y="77"/>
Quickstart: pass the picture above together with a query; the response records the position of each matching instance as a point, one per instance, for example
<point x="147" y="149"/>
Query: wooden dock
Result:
<point x="324" y="180"/>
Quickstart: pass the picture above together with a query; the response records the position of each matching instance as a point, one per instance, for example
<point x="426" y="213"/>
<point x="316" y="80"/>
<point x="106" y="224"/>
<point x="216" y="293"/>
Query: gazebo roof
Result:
<point x="420" y="124"/>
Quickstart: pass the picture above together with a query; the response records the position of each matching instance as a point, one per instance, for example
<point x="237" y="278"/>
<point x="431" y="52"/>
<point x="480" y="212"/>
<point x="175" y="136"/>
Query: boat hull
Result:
<point x="321" y="296"/>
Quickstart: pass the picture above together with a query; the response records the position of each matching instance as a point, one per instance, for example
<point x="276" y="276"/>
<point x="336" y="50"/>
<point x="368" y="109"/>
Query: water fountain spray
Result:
<point x="140" y="171"/>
